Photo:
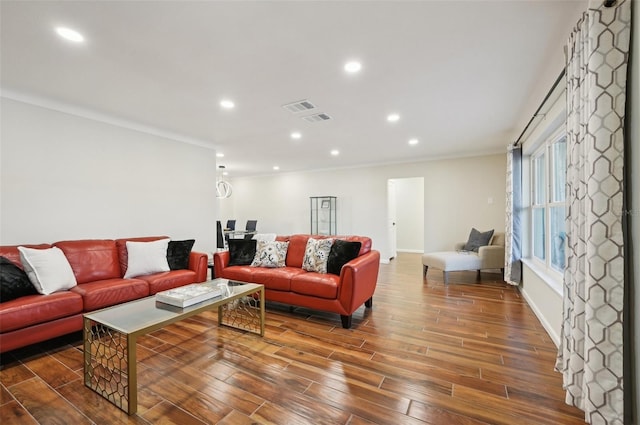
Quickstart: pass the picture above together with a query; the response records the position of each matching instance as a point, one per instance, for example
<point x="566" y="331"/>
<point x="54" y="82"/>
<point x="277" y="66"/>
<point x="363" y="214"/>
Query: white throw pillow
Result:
<point x="267" y="237"/>
<point x="146" y="258"/>
<point x="316" y="255"/>
<point x="48" y="269"/>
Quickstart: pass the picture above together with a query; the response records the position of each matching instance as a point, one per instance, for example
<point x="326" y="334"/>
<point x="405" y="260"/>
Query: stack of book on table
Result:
<point x="187" y="295"/>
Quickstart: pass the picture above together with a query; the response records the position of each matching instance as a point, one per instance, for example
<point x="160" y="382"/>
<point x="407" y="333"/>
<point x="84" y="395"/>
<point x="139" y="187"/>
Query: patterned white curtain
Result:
<point x="590" y="355"/>
<point x="513" y="226"/>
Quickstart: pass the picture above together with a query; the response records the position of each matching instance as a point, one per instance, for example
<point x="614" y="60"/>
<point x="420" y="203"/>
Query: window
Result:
<point x="548" y="207"/>
<point x="539" y="205"/>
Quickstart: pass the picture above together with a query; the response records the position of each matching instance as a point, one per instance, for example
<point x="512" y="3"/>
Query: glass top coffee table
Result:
<point x="110" y="335"/>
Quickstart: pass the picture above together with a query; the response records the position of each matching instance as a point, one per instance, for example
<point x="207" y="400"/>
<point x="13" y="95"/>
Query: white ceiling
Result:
<point x="465" y="76"/>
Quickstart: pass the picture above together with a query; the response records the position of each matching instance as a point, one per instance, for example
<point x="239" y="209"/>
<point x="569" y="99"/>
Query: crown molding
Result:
<point x="94" y="115"/>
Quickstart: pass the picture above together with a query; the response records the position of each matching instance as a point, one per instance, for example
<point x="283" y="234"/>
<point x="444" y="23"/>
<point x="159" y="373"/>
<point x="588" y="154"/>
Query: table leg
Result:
<point x="132" y="374"/>
<point x="262" y="313"/>
<point x="244" y="313"/>
<point x="110" y="365"/>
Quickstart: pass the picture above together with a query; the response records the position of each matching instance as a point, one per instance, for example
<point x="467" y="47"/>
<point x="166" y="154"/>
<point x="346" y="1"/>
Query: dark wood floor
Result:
<point x="465" y="353"/>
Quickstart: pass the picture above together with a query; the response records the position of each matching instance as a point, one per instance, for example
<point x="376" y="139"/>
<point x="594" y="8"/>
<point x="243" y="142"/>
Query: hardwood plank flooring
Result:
<point x="467" y="353"/>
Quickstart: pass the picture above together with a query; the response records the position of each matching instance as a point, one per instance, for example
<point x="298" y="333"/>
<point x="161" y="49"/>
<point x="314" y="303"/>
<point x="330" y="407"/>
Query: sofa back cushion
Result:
<point x="11" y="252"/>
<point x="498" y="239"/>
<point x="121" y="245"/>
<point x="91" y="259"/>
<point x="298" y="244"/>
<point x="295" y="252"/>
<point x="365" y="242"/>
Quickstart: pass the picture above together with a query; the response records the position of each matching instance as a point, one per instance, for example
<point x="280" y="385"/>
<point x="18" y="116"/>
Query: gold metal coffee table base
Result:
<point x="110" y="366"/>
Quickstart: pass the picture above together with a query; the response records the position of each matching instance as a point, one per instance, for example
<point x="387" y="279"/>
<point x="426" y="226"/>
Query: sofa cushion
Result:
<point x="270" y="254"/>
<point x="477" y="239"/>
<point x="497" y="239"/>
<point x="168" y="280"/>
<point x="178" y="254"/>
<point x="241" y="251"/>
<point x="105" y="293"/>
<point x="316" y="285"/>
<point x="365" y="242"/>
<point x="91" y="259"/>
<point x="298" y="244"/>
<point x="123" y="255"/>
<point x="240" y="273"/>
<point x="452" y="260"/>
<point x="34" y="309"/>
<point x="341" y="253"/>
<point x="277" y="279"/>
<point x="296" y="250"/>
<point x="48" y="269"/>
<point x="316" y="255"/>
<point x="14" y="282"/>
<point x="146" y="258"/>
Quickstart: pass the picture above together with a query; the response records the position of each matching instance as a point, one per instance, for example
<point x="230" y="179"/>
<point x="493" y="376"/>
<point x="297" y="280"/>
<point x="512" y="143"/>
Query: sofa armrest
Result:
<point x="358" y="279"/>
<point x="198" y="263"/>
<point x="220" y="261"/>
<point x="491" y="256"/>
<point x="459" y="246"/>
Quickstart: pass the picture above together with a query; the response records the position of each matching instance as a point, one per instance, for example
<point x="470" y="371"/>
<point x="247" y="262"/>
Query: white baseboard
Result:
<point x="412" y="251"/>
<point x="545" y="324"/>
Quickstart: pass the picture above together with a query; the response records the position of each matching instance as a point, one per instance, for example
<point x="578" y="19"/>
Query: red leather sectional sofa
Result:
<point x="99" y="267"/>
<point x="292" y="285"/>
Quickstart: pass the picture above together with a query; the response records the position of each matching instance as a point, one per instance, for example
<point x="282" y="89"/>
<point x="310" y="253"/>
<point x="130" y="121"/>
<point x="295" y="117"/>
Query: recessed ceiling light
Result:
<point x="275" y="167"/>
<point x="352" y="67"/>
<point x="227" y="104"/>
<point x="69" y="34"/>
<point x="413" y="142"/>
<point x="220" y="155"/>
<point x="335" y="152"/>
<point x="393" y="117"/>
<point x="296" y="135"/>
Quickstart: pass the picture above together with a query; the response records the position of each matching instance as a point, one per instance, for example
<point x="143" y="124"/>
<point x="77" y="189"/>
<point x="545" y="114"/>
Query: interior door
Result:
<point x="391" y="219"/>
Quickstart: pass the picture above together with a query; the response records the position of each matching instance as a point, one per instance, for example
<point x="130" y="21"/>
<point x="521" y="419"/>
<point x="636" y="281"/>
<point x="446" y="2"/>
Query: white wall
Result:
<point x="67" y="177"/>
<point x="409" y="214"/>
<point x="225" y="212"/>
<point x="457" y="195"/>
<point x="544" y="300"/>
<point x="456" y="192"/>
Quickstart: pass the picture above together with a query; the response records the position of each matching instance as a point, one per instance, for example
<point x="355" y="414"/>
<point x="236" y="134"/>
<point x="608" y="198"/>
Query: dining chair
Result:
<point x="250" y="228"/>
<point x="220" y="235"/>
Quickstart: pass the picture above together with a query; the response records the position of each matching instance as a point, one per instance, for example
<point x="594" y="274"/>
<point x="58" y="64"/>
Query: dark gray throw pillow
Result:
<point x="478" y="239"/>
<point x="341" y="253"/>
<point x="241" y="251"/>
<point x="14" y="282"/>
<point x="178" y="254"/>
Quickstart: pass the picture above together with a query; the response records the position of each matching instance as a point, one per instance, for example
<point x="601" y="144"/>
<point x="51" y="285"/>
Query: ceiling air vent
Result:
<point x="299" y="106"/>
<point x="316" y="117"/>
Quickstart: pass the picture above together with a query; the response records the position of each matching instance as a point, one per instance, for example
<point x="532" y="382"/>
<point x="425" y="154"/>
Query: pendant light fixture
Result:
<point x="223" y="187"/>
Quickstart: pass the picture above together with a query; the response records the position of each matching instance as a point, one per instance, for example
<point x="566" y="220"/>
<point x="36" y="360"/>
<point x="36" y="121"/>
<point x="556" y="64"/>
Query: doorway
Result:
<point x="405" y="215"/>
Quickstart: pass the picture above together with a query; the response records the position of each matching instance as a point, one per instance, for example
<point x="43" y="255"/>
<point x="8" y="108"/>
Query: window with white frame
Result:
<point x="548" y="206"/>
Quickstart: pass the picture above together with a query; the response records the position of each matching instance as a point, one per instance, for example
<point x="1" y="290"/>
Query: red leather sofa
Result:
<point x="292" y="285"/>
<point x="99" y="267"/>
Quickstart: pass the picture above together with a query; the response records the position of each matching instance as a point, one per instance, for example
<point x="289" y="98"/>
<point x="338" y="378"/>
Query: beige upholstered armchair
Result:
<point x="488" y="257"/>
